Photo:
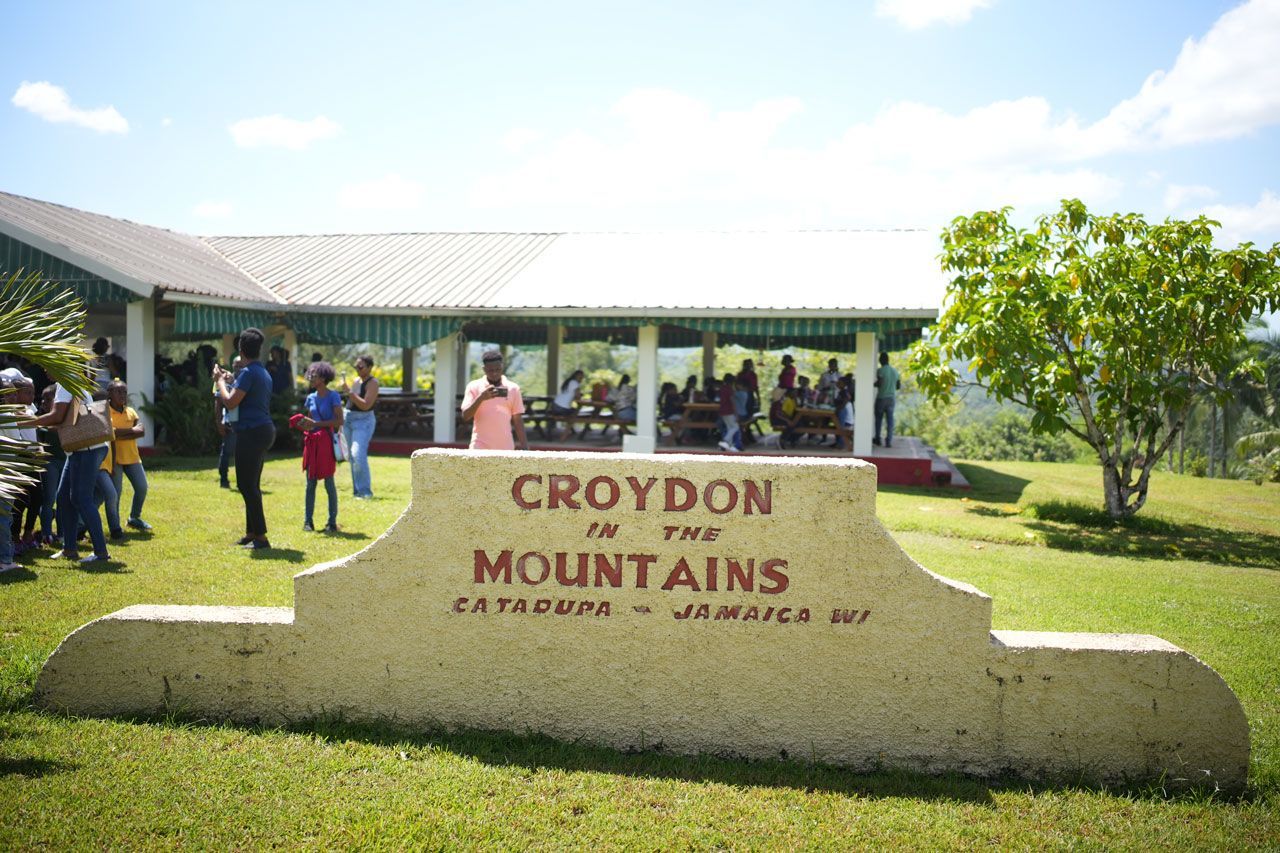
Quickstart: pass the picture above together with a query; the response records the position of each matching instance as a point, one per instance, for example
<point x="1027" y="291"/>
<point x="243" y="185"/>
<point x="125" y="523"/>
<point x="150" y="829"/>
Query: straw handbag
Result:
<point x="85" y="426"/>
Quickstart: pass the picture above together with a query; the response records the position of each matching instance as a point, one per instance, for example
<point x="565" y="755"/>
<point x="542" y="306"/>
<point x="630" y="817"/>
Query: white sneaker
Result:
<point x="9" y="567"/>
<point x="724" y="445"/>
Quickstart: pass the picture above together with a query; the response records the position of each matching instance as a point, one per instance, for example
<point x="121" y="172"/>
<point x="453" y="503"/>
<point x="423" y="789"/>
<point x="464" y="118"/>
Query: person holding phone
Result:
<point x="493" y="406"/>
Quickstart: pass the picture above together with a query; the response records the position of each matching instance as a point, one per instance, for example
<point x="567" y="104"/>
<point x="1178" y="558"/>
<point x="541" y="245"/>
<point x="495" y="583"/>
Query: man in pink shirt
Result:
<point x="495" y="408"/>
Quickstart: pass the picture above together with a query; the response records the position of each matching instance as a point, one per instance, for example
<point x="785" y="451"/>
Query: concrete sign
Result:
<point x="755" y="608"/>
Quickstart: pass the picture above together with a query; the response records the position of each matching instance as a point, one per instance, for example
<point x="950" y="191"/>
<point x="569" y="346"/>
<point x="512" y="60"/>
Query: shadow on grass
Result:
<point x="988" y="485"/>
<point x="1074" y="526"/>
<point x="32" y="768"/>
<point x="104" y="567"/>
<point x="17" y="576"/>
<point x="289" y="555"/>
<point x="538" y="752"/>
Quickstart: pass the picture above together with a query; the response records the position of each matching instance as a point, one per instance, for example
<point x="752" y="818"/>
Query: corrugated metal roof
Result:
<point x="735" y="271"/>
<point x="440" y="270"/>
<point x="139" y="257"/>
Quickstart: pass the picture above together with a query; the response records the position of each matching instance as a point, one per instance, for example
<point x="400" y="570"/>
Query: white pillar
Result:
<point x="409" y="367"/>
<point x="446" y="387"/>
<point x="464" y="363"/>
<point x="864" y="378"/>
<point x="140" y="333"/>
<point x="555" y="340"/>
<point x="709" y="354"/>
<point x="291" y="344"/>
<point x="228" y="344"/>
<point x="646" y="438"/>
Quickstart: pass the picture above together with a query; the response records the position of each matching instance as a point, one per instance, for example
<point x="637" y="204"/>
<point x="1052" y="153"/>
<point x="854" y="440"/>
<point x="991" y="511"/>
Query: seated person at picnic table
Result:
<point x="784" y="417"/>
<point x="843" y="401"/>
<point x="670" y="403"/>
<point x="805" y="395"/>
<point x="623" y="399"/>
<point x="691" y="394"/>
<point x="565" y="403"/>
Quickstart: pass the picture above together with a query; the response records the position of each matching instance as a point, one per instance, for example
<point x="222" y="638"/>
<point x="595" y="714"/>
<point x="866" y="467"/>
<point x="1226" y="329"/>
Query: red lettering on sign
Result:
<point x="562" y="570"/>
<point x="643" y="562"/>
<point x="712" y="571"/>
<point x="740" y="579"/>
<point x="611" y="571"/>
<point x="752" y="496"/>
<point x="502" y="604"/>
<point x="690" y="494"/>
<point x="517" y="491"/>
<point x="481" y="606"/>
<point x="642" y="492"/>
<point x="771" y="571"/>
<point x="690" y="533"/>
<point x="542" y="605"/>
<point x="523" y="562"/>
<point x="611" y="488"/>
<point x="521" y="606"/>
<point x="584" y="607"/>
<point x="731" y="496"/>
<point x="711" y="534"/>
<point x="681" y="576"/>
<point x="492" y="570"/>
<point x="726" y="612"/>
<point x="563" y="607"/>
<point x="560" y="491"/>
<point x="459" y="604"/>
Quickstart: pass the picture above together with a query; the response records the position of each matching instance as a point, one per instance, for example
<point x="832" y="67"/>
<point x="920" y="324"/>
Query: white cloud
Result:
<point x="390" y="192"/>
<point x="276" y="131"/>
<point x="209" y="209"/>
<point x="166" y="122"/>
<point x="519" y="138"/>
<point x="1178" y="196"/>
<point x="917" y="14"/>
<point x="52" y="103"/>
<point x="1223" y="86"/>
<point x="1258" y="222"/>
<point x="910" y="164"/>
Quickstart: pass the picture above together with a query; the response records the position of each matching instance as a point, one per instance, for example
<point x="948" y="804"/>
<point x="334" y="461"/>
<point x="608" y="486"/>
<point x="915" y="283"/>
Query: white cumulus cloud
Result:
<point x="389" y="192"/>
<point x="1259" y="222"/>
<point x="277" y="131"/>
<point x="210" y="209"/>
<point x="519" y="138"/>
<point x="52" y="103"/>
<point x="1225" y="85"/>
<point x="917" y="14"/>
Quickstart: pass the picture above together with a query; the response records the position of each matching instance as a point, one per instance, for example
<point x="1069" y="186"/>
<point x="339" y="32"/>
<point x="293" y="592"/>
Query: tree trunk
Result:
<point x="1213" y="438"/>
<point x="1111" y="490"/>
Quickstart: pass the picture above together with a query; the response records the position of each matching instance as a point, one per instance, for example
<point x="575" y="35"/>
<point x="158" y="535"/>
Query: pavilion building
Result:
<point x="848" y="291"/>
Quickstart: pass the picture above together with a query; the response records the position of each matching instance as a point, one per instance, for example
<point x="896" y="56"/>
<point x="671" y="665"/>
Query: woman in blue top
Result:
<point x="323" y="419"/>
<point x="255" y="432"/>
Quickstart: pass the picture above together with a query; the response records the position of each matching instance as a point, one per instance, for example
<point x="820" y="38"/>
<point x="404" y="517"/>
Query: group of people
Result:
<point x="333" y="430"/>
<point x="71" y="487"/>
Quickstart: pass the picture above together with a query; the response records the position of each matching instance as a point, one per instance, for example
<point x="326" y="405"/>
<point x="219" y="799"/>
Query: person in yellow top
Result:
<point x="124" y="456"/>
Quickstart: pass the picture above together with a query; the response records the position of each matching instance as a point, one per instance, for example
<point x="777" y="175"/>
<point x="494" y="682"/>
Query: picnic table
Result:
<point x="823" y="421"/>
<point x="696" y="416"/>
<point x="409" y="411"/>
<point x="588" y="414"/>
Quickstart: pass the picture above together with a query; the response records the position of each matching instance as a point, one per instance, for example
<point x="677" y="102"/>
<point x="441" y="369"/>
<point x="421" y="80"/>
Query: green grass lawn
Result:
<point x="1200" y="567"/>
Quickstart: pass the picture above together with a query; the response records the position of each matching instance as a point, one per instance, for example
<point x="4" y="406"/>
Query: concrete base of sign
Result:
<point x="746" y="607"/>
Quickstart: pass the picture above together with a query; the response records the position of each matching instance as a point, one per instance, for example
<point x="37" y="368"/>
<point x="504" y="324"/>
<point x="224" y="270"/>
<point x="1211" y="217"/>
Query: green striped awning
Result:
<point x="395" y="331"/>
<point x="16" y="255"/>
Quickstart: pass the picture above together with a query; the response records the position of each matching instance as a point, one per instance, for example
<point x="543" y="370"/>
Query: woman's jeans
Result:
<point x="52" y="476"/>
<point x="104" y="492"/>
<point x="358" y="429"/>
<point x="251" y="452"/>
<point x="6" y="543"/>
<point x="75" y="499"/>
<point x="333" y="499"/>
<point x="137" y="479"/>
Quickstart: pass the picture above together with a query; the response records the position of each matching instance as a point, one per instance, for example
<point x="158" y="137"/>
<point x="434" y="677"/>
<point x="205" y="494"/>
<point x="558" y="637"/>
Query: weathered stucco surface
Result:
<point x="831" y="643"/>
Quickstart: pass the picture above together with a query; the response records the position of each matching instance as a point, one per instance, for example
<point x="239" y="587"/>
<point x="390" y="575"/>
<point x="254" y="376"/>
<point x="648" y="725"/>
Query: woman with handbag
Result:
<point x="84" y="428"/>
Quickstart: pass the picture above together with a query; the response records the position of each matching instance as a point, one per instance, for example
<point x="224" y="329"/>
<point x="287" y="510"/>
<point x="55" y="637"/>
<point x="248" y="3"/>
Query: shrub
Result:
<point x="184" y="420"/>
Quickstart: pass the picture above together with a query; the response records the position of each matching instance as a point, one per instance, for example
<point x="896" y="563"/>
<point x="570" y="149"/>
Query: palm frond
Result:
<point x="21" y="462"/>
<point x="44" y="325"/>
<point x="1263" y="441"/>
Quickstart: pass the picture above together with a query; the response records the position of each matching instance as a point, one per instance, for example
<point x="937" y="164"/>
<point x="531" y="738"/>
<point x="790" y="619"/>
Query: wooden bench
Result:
<point x="587" y="421"/>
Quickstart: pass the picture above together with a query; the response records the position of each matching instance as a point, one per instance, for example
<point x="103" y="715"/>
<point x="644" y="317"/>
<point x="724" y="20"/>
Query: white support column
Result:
<point x="864" y="379"/>
<point x="409" y="367"/>
<point x="464" y="364"/>
<point x="555" y="340"/>
<point x="291" y="344"/>
<point x="140" y="334"/>
<point x="646" y="438"/>
<point x="709" y="340"/>
<point x="446" y="387"/>
<point x="228" y="345"/>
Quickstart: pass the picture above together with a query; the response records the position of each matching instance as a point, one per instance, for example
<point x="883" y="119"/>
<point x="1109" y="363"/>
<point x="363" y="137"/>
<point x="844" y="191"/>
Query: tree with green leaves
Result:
<point x="44" y="325"/>
<point x="1105" y="327"/>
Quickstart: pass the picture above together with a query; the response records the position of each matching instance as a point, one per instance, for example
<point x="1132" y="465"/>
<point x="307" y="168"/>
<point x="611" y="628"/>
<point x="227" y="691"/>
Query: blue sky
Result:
<point x="252" y="118"/>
